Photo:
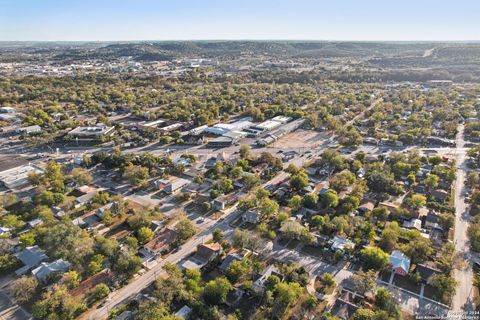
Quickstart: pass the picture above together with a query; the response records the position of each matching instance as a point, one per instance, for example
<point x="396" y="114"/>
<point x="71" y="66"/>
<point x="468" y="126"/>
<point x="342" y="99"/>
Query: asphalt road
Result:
<point x="464" y="294"/>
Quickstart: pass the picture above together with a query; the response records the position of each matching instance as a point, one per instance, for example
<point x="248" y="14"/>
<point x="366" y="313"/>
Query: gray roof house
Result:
<point x="30" y="257"/>
<point x="45" y="269"/>
<point x="251" y="216"/>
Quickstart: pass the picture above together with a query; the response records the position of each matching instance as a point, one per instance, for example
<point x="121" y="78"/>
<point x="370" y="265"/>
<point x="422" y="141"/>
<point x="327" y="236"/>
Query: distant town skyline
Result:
<point x="126" y="20"/>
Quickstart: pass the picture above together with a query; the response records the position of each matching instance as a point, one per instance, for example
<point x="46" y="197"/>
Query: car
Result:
<point x="200" y="220"/>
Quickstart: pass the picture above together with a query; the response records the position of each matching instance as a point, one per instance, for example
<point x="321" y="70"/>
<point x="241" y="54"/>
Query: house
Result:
<point x="83" y="194"/>
<point x="224" y="201"/>
<point x="228" y="261"/>
<point x="259" y="284"/>
<point x="193" y="139"/>
<point x="4" y="231"/>
<point x="439" y="195"/>
<point x="340" y="243"/>
<point x="343" y="309"/>
<point x="413" y="224"/>
<point x="205" y="254"/>
<point x="432" y="221"/>
<point x="175" y="185"/>
<point x="33" y="223"/>
<point x="399" y="262"/>
<point x="426" y="271"/>
<point x="390" y="206"/>
<point x="184" y="312"/>
<point x="208" y="252"/>
<point x="251" y="216"/>
<point x="234" y="296"/>
<point x="45" y="269"/>
<point x="30" y="257"/>
<point x="159" y="244"/>
<point x="366" y="207"/>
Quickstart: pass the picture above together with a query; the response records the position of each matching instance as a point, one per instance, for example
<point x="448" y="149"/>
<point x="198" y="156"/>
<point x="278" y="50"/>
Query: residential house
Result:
<point x="439" y="195"/>
<point x="184" y="312"/>
<point x="251" y="216"/>
<point x="228" y="261"/>
<point x="159" y="244"/>
<point x="205" y="254"/>
<point x="426" y="271"/>
<point x="413" y="224"/>
<point x="366" y="207"/>
<point x="175" y="185"/>
<point x="432" y="221"/>
<point x="343" y="309"/>
<point x="399" y="262"/>
<point x="342" y="244"/>
<point x="258" y="285"/>
<point x="30" y="257"/>
<point x="45" y="269"/>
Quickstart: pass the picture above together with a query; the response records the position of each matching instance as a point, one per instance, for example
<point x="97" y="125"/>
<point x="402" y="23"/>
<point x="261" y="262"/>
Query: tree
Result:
<point x="70" y="279"/>
<point x="445" y="284"/>
<point x="295" y="202"/>
<point x="154" y="311"/>
<point x="67" y="241"/>
<point x="389" y="238"/>
<point x="23" y="289"/>
<point x="27" y="239"/>
<point x="310" y="200"/>
<point x="419" y="249"/>
<point x="286" y="294"/>
<point x="268" y="207"/>
<point x="374" y="258"/>
<point x="385" y="301"/>
<point x="364" y="282"/>
<point x="96" y="264"/>
<point x="217" y="235"/>
<point x="81" y="176"/>
<point x="144" y="235"/>
<point x="216" y="291"/>
<point x="342" y="180"/>
<point x="136" y="175"/>
<point x="364" y="314"/>
<point x="446" y="220"/>
<point x="331" y="198"/>
<point x="57" y="301"/>
<point x="245" y="152"/>
<point x="101" y="291"/>
<point x="432" y="181"/>
<point x="238" y="270"/>
<point x="292" y="169"/>
<point x="299" y="181"/>
<point x="185" y="229"/>
<point x="417" y="201"/>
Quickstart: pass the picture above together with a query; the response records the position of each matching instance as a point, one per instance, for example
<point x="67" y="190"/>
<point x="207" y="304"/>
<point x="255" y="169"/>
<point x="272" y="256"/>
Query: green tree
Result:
<point x="216" y="291"/>
<point x="144" y="235"/>
<point x="23" y="289"/>
<point x="101" y="291"/>
<point x="374" y="258"/>
<point x="185" y="229"/>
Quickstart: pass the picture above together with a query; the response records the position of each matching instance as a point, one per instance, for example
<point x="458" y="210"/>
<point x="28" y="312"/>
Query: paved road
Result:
<point x="144" y="280"/>
<point x="463" y="297"/>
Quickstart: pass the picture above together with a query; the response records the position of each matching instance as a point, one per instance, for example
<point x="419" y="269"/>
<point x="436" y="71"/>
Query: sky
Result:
<point x="129" y="20"/>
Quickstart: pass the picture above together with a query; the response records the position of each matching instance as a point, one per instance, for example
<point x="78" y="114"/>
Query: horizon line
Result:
<point x="238" y="40"/>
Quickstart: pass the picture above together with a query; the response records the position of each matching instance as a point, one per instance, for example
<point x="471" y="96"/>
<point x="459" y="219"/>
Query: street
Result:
<point x="464" y="277"/>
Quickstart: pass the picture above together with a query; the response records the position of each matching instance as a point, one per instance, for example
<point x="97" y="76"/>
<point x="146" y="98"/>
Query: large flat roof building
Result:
<point x="92" y="132"/>
<point x="17" y="177"/>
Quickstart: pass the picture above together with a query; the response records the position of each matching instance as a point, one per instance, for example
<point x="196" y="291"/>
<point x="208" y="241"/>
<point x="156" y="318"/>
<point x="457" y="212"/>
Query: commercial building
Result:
<point x="18" y="177"/>
<point x="92" y="133"/>
<point x="29" y="129"/>
<point x="224" y="128"/>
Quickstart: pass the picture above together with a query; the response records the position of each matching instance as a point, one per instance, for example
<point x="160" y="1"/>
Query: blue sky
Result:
<point x="103" y="20"/>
